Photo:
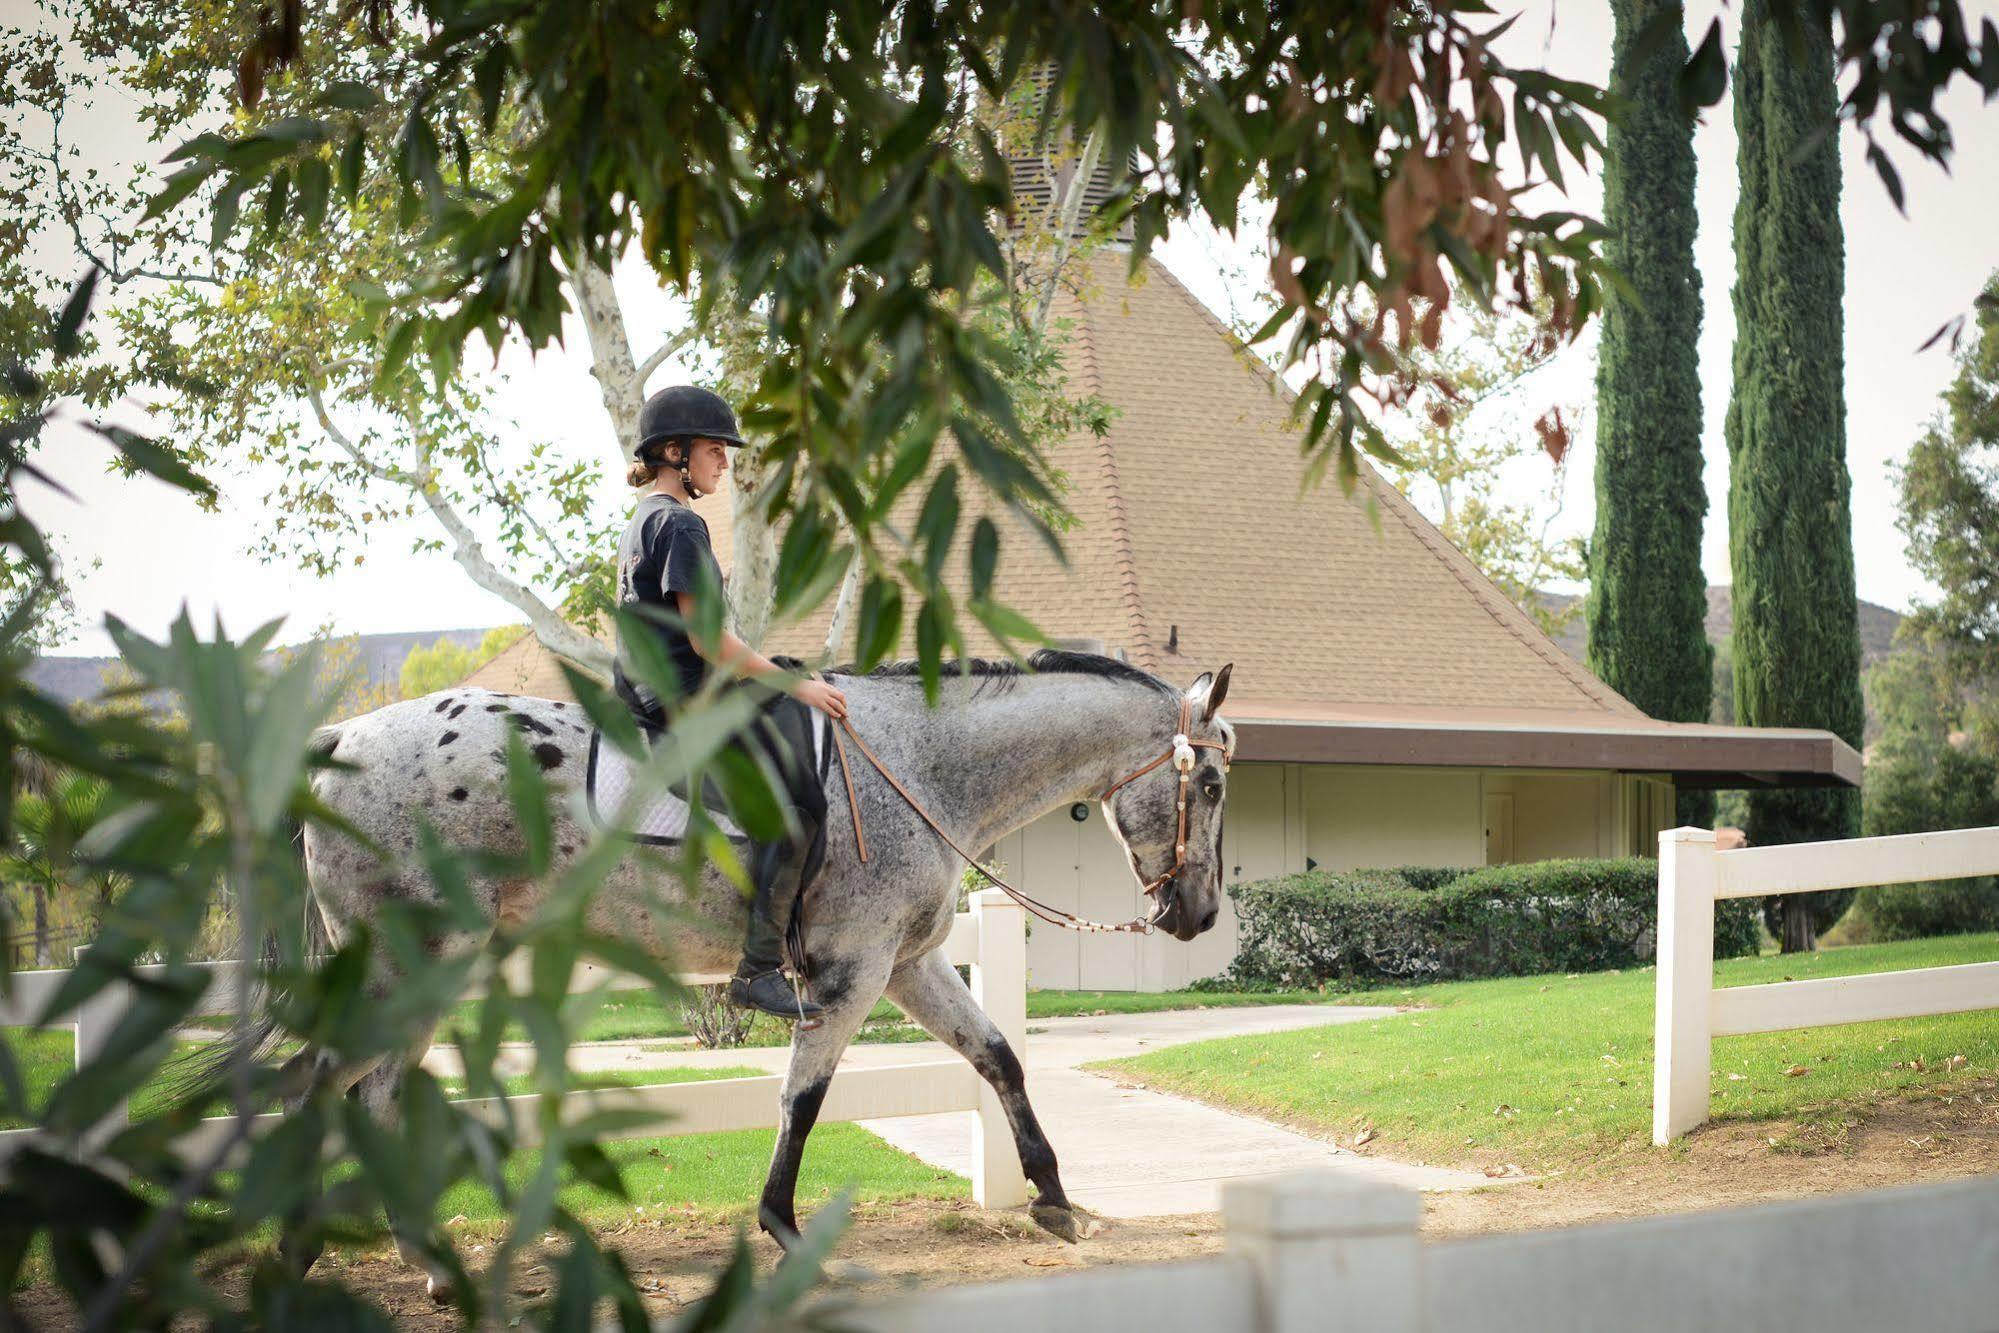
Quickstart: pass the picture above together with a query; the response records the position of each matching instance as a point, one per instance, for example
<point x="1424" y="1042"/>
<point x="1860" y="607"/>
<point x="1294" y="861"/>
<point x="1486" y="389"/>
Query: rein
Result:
<point x="1181" y="753"/>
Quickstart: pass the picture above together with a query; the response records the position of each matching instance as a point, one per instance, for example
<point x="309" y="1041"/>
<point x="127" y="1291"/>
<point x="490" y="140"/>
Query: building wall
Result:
<point x="1283" y="818"/>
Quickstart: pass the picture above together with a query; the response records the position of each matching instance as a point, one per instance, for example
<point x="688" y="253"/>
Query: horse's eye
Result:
<point x="1212" y="790"/>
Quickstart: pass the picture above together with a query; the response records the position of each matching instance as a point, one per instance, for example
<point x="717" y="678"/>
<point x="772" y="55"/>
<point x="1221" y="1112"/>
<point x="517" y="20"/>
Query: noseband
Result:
<point x="1182" y="755"/>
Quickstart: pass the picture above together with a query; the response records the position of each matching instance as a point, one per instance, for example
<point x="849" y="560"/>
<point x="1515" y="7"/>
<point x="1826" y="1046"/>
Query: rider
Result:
<point x="665" y="562"/>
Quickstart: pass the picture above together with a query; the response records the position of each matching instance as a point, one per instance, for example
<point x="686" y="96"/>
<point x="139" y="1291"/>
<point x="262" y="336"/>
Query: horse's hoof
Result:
<point x="437" y="1289"/>
<point x="1058" y="1220"/>
<point x="780" y="1229"/>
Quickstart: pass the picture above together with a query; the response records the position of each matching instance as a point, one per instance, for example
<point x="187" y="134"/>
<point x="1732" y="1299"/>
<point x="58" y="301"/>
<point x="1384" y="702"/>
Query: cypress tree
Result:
<point x="1796" y="643"/>
<point x="1648" y="594"/>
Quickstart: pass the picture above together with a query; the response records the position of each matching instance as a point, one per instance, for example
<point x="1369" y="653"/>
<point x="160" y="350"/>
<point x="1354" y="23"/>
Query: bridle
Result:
<point x="1180" y="753"/>
<point x="1183" y="757"/>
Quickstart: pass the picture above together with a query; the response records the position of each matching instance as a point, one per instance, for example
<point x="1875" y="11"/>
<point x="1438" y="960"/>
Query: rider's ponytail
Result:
<point x="646" y="468"/>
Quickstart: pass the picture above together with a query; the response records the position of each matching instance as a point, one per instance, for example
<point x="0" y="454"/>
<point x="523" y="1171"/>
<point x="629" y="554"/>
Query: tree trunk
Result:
<point x="41" y="926"/>
<point x="753" y="564"/>
<point x="1801" y="932"/>
<point x="611" y="363"/>
<point x="843" y="609"/>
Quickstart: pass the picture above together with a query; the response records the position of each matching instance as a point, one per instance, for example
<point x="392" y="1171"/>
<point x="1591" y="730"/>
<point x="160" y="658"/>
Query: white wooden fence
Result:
<point x="1690" y="1012"/>
<point x="991" y="938"/>
<point x="1318" y="1251"/>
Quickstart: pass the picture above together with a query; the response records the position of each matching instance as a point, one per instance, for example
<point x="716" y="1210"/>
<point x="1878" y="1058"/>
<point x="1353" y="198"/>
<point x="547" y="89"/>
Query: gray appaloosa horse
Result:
<point x="1004" y="746"/>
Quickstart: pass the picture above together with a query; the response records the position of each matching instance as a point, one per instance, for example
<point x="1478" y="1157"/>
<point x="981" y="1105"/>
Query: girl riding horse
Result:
<point x="666" y="567"/>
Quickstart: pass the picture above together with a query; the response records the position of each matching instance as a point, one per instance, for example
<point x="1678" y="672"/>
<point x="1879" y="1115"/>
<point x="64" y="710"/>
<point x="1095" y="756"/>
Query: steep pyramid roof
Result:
<point x="1194" y="546"/>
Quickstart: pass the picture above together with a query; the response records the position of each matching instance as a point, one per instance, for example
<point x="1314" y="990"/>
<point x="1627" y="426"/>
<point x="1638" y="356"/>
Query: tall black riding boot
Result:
<point x="759" y="982"/>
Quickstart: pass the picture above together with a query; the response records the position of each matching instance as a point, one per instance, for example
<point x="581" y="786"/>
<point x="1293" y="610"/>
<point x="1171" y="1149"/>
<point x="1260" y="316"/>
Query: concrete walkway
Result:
<point x="1124" y="1152"/>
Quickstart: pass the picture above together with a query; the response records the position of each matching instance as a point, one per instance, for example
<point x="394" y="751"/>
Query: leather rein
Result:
<point x="1180" y="754"/>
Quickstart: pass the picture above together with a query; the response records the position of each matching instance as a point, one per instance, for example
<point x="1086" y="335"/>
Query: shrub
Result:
<point x="1944" y="907"/>
<point x="1419" y="924"/>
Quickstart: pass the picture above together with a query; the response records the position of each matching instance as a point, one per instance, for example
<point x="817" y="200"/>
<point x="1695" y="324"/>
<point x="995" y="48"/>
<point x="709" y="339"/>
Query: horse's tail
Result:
<point x="204" y="1070"/>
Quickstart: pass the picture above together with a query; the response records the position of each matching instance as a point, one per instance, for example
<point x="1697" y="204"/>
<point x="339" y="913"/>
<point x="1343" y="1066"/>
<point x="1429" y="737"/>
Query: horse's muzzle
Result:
<point x="1175" y="922"/>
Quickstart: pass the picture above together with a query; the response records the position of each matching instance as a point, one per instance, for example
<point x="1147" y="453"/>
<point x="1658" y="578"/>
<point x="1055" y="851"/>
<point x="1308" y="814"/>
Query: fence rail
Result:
<point x="991" y="938"/>
<point x="1322" y="1250"/>
<point x="1689" y="1012"/>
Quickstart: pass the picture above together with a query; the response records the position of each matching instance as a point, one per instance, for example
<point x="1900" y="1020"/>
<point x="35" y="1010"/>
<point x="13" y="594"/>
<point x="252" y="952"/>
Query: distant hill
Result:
<point x="1877" y="625"/>
<point x="379" y="655"/>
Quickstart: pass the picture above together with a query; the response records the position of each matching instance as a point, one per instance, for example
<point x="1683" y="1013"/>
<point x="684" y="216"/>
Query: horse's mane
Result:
<point x="1004" y="674"/>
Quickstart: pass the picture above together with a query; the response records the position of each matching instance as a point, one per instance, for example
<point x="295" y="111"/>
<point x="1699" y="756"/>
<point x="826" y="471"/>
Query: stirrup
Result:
<point x="761" y="991"/>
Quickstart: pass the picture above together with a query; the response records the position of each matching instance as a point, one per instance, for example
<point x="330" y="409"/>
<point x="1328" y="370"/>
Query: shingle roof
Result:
<point x="1350" y="617"/>
<point x="1191" y="531"/>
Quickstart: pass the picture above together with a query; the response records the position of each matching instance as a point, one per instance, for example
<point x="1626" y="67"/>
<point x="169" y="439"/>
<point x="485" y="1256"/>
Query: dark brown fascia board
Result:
<point x="1737" y="757"/>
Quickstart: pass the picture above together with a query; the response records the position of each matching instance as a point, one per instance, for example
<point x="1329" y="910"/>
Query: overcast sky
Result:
<point x="139" y="551"/>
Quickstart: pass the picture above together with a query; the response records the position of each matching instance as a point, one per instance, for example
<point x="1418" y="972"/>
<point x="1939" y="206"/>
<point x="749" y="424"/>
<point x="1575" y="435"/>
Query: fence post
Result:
<point x="96" y="1019"/>
<point x="1330" y="1251"/>
<point x="999" y="986"/>
<point x="1681" y="1038"/>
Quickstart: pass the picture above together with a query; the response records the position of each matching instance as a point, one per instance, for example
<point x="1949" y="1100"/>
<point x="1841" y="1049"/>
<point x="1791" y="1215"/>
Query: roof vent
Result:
<point x="1044" y="173"/>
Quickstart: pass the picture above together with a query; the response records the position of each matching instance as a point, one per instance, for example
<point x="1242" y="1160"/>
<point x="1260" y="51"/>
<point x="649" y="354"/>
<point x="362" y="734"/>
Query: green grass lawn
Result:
<point x="710" y="1173"/>
<point x="1550" y="1071"/>
<point x="1066" y="1003"/>
<point x="723" y="1174"/>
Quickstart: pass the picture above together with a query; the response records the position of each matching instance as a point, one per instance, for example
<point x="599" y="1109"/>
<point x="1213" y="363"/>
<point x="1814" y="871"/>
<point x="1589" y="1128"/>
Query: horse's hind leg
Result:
<point x="300" y="1242"/>
<point x="378" y="1087"/>
<point x="815" y="1052"/>
<point x="380" y="1093"/>
<point x="930" y="991"/>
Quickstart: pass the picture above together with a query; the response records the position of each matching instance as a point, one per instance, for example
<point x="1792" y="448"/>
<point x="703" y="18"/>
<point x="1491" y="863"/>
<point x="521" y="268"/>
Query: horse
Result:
<point x="1005" y="744"/>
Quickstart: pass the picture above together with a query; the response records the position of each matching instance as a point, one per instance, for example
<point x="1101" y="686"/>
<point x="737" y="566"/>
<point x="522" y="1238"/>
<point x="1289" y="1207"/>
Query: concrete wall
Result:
<point x="1283" y="818"/>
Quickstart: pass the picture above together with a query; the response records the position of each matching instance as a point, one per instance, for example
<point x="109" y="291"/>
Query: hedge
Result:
<point x="1419" y="924"/>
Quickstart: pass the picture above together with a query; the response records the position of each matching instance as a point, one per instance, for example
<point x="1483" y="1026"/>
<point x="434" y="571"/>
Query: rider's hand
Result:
<point x="823" y="697"/>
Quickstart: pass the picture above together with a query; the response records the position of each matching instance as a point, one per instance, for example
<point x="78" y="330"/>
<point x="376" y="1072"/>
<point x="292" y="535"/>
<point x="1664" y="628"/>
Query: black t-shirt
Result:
<point x="665" y="550"/>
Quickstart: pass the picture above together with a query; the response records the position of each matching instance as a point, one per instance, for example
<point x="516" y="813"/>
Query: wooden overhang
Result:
<point x="1694" y="755"/>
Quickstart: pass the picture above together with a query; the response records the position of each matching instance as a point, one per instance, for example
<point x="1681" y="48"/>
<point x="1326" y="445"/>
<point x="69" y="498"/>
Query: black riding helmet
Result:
<point x="682" y="412"/>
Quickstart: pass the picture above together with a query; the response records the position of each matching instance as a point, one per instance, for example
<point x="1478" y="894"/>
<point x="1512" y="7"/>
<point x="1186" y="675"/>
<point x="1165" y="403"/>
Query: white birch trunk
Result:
<point x="611" y="363"/>
<point x="753" y="580"/>
<point x="843" y="609"/>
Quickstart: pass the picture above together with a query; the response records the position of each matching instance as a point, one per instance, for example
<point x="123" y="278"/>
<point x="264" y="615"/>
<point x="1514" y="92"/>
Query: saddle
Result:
<point x="794" y="738"/>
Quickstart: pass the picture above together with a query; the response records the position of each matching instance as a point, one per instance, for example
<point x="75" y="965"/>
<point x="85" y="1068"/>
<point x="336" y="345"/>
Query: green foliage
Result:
<point x="1949" y="504"/>
<point x="52" y="904"/>
<point x="1933" y="767"/>
<point x="847" y="195"/>
<point x="444" y="663"/>
<point x="1796" y="638"/>
<point x="1432" y="924"/>
<point x="202" y="809"/>
<point x="1648" y="593"/>
<point x="1463" y="443"/>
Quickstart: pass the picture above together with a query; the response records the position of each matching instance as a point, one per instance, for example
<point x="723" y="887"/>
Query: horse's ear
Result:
<point x="1198" y="691"/>
<point x="1217" y="692"/>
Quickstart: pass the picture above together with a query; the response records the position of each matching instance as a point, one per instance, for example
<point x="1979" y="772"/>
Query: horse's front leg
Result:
<point x="930" y="991"/>
<point x="815" y="1052"/>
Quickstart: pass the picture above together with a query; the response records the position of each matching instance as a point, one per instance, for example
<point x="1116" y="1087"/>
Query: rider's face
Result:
<point x="707" y="461"/>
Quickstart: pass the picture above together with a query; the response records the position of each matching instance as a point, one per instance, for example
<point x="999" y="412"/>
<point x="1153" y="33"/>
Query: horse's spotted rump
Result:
<point x="447" y="738"/>
<point x="548" y="755"/>
<point x="442" y="704"/>
<point x="523" y="723"/>
<point x="453" y="714"/>
<point x="459" y="793"/>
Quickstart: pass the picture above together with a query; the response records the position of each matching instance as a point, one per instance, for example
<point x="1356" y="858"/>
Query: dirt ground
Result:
<point x="891" y="1247"/>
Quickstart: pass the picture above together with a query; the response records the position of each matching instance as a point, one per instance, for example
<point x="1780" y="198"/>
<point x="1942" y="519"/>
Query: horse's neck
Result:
<point x="995" y="763"/>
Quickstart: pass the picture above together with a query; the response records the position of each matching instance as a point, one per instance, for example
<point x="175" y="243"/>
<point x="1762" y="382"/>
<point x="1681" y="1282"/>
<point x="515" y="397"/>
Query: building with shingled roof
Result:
<point x="1392" y="706"/>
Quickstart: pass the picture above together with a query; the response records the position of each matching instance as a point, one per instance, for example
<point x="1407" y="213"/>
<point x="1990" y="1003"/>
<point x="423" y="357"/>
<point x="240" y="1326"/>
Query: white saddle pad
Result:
<point x="662" y="817"/>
